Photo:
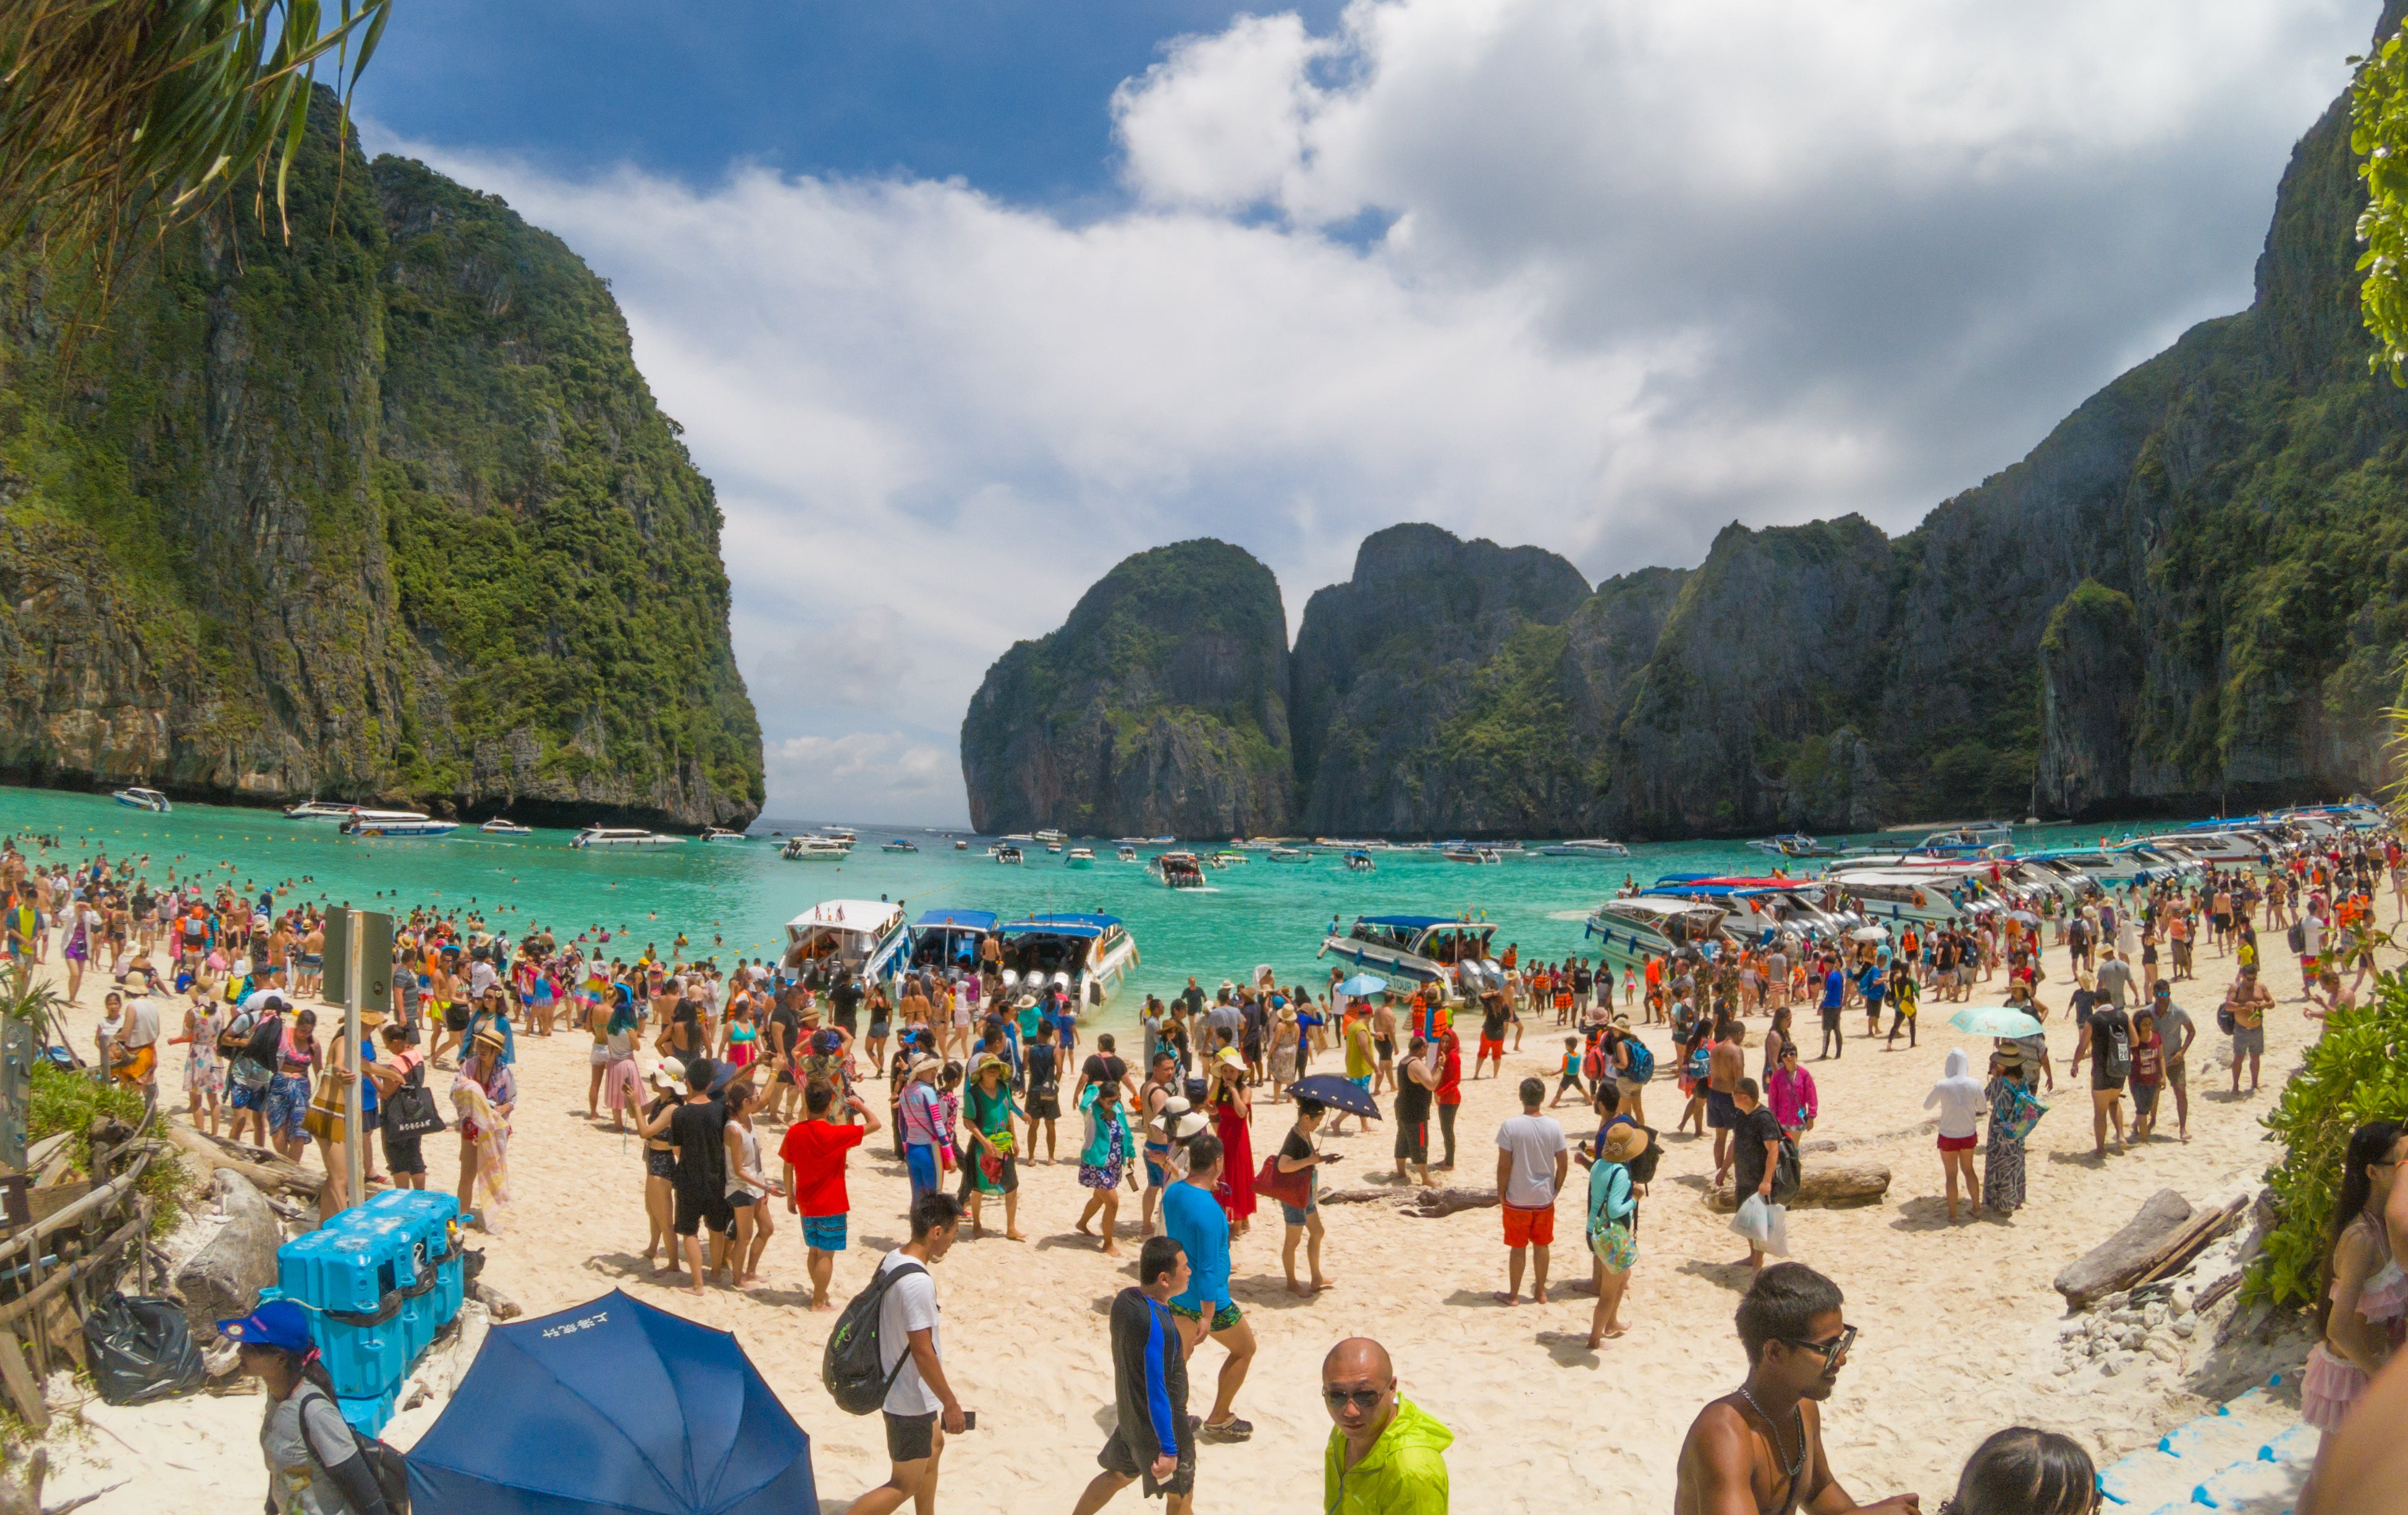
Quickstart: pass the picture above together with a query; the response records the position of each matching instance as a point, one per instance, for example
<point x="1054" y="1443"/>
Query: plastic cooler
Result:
<point x="375" y="1280"/>
<point x="368" y="1415"/>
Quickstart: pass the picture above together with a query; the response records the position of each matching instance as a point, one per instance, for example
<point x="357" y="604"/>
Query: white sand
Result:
<point x="1959" y="1323"/>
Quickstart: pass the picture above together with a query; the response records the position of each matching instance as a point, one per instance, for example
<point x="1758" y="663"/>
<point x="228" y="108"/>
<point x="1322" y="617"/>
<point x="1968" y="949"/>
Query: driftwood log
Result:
<point x="268" y="1172"/>
<point x="2158" y="1241"/>
<point x="1424" y="1203"/>
<point x="1821" y="1186"/>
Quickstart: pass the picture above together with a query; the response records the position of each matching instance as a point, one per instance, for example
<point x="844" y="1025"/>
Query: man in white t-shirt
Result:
<point x="1531" y="1162"/>
<point x="919" y="1409"/>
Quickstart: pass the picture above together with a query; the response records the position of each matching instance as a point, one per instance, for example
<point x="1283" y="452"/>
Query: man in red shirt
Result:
<point x="814" y="1154"/>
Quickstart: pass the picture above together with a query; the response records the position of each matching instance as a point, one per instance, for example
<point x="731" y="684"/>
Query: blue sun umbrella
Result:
<point x="1995" y="1020"/>
<point x="1362" y="984"/>
<point x="1328" y="1089"/>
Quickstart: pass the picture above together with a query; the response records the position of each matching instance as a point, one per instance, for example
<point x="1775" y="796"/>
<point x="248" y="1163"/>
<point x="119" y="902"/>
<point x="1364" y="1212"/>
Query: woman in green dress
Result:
<point x="988" y="1108"/>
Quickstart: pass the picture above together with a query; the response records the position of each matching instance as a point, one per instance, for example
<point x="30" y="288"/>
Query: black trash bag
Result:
<point x="140" y="1349"/>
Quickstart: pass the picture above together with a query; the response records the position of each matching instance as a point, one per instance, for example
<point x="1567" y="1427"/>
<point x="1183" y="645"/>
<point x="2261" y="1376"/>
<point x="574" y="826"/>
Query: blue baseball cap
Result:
<point x="280" y="1323"/>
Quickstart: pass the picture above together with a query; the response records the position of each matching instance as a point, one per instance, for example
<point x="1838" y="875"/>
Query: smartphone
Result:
<point x="970" y="1420"/>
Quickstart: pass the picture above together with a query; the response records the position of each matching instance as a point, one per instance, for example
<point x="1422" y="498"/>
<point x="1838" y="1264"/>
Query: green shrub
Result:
<point x="66" y="1101"/>
<point x="2357" y="1073"/>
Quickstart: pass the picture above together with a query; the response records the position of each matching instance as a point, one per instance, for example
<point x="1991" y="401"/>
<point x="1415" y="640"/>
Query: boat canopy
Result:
<point x="959" y="920"/>
<point x="1414" y="923"/>
<point x="1062" y="924"/>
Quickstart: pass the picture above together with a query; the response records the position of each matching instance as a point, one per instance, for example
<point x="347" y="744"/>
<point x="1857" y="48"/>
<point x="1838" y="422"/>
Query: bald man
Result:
<point x="1385" y="1455"/>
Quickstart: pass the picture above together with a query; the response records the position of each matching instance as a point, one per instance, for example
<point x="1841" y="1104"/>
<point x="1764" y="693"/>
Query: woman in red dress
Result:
<point x="1233" y="1114"/>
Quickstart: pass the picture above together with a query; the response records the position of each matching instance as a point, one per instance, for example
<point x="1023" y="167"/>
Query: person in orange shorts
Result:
<point x="1532" y="1160"/>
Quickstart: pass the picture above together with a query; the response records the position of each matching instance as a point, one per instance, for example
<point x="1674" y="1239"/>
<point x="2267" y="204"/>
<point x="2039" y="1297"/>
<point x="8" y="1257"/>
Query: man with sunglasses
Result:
<point x="1386" y="1456"/>
<point x="1759" y="1450"/>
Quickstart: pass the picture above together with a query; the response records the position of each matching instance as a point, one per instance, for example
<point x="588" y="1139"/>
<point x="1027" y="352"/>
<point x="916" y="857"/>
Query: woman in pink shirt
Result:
<point x="1790" y="1092"/>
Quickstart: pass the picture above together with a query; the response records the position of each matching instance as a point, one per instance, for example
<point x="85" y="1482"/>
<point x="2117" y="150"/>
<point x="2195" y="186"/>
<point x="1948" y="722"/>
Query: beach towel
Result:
<point x="492" y="1192"/>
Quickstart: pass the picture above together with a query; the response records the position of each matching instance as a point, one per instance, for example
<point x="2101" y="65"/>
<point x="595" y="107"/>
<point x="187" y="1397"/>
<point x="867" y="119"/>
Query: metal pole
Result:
<point x="354" y="1166"/>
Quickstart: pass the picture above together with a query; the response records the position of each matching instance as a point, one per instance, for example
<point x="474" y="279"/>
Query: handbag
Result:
<point x="2023" y="1114"/>
<point x="411" y="1111"/>
<point x="1293" y="1190"/>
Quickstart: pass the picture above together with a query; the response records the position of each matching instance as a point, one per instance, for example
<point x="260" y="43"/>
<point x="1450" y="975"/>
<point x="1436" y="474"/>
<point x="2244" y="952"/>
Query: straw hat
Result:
<point x="491" y="1036"/>
<point x="1625" y="1142"/>
<point x="988" y="1063"/>
<point x="924" y="1067"/>
<point x="669" y="1072"/>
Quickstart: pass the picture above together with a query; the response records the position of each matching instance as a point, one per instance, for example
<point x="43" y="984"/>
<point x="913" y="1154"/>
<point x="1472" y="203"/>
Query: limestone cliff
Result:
<point x="382" y="512"/>
<point x="1159" y="707"/>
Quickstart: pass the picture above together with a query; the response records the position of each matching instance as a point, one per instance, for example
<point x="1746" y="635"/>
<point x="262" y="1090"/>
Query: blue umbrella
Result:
<point x="1362" y="984"/>
<point x="1996" y="1020"/>
<point x="1328" y="1089"/>
<point x="609" y="1409"/>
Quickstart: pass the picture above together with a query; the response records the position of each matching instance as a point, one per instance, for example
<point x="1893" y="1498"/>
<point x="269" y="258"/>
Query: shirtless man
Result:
<point x="1726" y="1066"/>
<point x="2248" y="999"/>
<point x="1759" y="1450"/>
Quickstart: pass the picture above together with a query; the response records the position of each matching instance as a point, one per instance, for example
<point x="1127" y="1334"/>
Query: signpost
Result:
<point x="359" y="976"/>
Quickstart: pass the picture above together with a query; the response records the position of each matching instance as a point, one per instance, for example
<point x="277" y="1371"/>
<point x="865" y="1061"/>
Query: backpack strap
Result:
<point x="887" y="1280"/>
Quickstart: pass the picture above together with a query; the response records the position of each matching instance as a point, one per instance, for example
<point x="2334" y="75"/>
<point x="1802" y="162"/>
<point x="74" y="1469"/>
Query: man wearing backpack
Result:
<point x="2106" y="1039"/>
<point x="920" y="1408"/>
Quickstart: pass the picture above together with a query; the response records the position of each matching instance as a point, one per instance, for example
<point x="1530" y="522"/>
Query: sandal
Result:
<point x="1231" y="1429"/>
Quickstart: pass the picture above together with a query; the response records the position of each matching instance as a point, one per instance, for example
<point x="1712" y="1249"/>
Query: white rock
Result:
<point x="2155" y="1316"/>
<point x="2114" y="1365"/>
<point x="2162" y="1349"/>
<point x="2064" y="1368"/>
<point x="2133" y="1339"/>
<point x="2185" y="1326"/>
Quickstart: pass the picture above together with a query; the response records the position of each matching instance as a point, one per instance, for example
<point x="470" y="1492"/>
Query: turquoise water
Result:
<point x="739" y="894"/>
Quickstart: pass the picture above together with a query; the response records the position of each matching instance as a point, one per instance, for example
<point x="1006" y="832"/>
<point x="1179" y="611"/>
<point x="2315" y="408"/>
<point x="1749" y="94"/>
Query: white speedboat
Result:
<point x="844" y="836"/>
<point x="1794" y="844"/>
<point x="1591" y="847"/>
<point x="1785" y="908"/>
<point x="812" y="849"/>
<point x="899" y="844"/>
<point x="1473" y="855"/>
<point x="1177" y="870"/>
<point x="1004" y="852"/>
<point x="1359" y="862"/>
<point x="860" y="936"/>
<point x="1054" y="848"/>
<point x="500" y="826"/>
<point x="1428" y="949"/>
<point x="1640" y="927"/>
<point x="1080" y="858"/>
<point x="1230" y="858"/>
<point x="622" y="836"/>
<point x="143" y="799"/>
<point x="2220" y="848"/>
<point x="1923" y="897"/>
<point x="719" y="833"/>
<point x="1288" y="854"/>
<point x="1089" y="956"/>
<point x="396" y="824"/>
<point x="318" y="810"/>
<point x="960" y="845"/>
<point x="1047" y="835"/>
<point x="1125" y="853"/>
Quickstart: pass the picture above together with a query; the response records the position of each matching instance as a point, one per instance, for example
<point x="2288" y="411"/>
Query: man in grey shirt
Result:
<point x="2177" y="1030"/>
<point x="2114" y="978"/>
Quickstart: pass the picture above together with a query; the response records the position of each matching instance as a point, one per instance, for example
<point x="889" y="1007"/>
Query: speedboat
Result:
<point x="1974" y="839"/>
<point x="1359" y="862"/>
<point x="1473" y="855"/>
<point x="1080" y="858"/>
<point x="811" y="849"/>
<point x="844" y="836"/>
<point x="720" y="833"/>
<point x="1225" y="856"/>
<point x="1794" y="844"/>
<point x="1089" y="956"/>
<point x="143" y="799"/>
<point x="899" y="844"/>
<point x="860" y="937"/>
<point x="317" y="810"/>
<point x="960" y="845"/>
<point x="948" y="941"/>
<point x="1925" y="896"/>
<point x="2221" y="848"/>
<point x="1287" y="853"/>
<point x="1428" y="949"/>
<point x="502" y="826"/>
<point x="396" y="824"/>
<point x="1640" y="927"/>
<point x="1048" y="834"/>
<point x="1126" y="853"/>
<point x="1592" y="848"/>
<point x="622" y="836"/>
<point x="1055" y="847"/>
<point x="1177" y="870"/>
<point x="1004" y="852"/>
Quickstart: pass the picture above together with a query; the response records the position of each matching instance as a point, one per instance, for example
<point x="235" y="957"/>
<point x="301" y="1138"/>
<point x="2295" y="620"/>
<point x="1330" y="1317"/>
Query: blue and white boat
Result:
<point x="899" y="844"/>
<point x="143" y="799"/>
<point x="1426" y="949"/>
<point x="397" y="824"/>
<point x="1794" y="844"/>
<point x="948" y="941"/>
<point x="623" y="836"/>
<point x="1635" y="928"/>
<point x="1088" y="956"/>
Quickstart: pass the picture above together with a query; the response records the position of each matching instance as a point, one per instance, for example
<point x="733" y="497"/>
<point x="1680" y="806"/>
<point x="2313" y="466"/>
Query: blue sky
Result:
<point x="960" y="303"/>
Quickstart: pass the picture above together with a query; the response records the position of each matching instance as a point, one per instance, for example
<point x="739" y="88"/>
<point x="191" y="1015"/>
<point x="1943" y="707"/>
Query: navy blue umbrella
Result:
<point x="611" y="1407"/>
<point x="1328" y="1089"/>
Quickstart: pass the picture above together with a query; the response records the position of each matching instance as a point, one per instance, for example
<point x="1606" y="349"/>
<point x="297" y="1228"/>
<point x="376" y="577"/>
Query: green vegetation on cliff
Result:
<point x="385" y="510"/>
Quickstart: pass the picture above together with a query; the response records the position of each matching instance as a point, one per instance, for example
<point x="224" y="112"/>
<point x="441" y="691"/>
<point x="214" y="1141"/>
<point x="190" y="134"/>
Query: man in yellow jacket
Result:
<point x="1385" y="1456"/>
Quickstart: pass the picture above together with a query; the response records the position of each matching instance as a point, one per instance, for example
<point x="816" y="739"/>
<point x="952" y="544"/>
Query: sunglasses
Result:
<point x="1365" y="1400"/>
<point x="1831" y="1351"/>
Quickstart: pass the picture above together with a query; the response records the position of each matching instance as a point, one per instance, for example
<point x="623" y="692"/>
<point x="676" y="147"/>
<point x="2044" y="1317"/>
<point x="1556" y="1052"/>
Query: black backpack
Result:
<point x="385" y="1466"/>
<point x="2299" y="935"/>
<point x="1642" y="1167"/>
<point x="850" y="1369"/>
<point x="1785" y="1172"/>
<point x="267" y="1043"/>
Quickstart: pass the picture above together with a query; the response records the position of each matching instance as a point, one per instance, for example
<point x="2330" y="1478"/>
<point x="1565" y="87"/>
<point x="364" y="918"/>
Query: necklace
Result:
<point x="1790" y="1471"/>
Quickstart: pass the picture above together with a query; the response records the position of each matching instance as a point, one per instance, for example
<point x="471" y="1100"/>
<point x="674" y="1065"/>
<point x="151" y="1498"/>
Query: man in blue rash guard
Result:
<point x="1153" y="1440"/>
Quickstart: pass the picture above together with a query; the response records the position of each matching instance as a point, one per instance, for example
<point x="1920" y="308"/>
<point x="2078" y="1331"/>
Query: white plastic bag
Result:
<point x="1765" y="1224"/>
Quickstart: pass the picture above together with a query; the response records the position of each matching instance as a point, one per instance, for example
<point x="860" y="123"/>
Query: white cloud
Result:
<point x="1599" y="275"/>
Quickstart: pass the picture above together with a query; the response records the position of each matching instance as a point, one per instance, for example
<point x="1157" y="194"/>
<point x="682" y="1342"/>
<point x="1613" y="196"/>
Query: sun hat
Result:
<point x="980" y="1069"/>
<point x="1625" y="1142"/>
<point x="280" y="1323"/>
<point x="1026" y="1001"/>
<point x="1229" y="1056"/>
<point x="491" y="1036"/>
<point x="667" y="1072"/>
<point x="926" y="1066"/>
<point x="1188" y="1125"/>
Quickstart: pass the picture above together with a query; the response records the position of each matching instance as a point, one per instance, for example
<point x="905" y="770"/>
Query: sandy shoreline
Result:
<point x="1960" y="1324"/>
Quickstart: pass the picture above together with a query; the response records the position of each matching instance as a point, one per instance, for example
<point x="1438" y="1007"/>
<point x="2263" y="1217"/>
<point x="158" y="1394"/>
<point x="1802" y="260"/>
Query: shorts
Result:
<point x="456" y="1017"/>
<point x="1628" y="1088"/>
<point x="1959" y="1144"/>
<point x="1155" y="1174"/>
<point x="1529" y="1228"/>
<point x="878" y="1029"/>
<point x="2105" y="1083"/>
<point x="1044" y="1107"/>
<point x="2223" y="922"/>
<point x="911" y="1438"/>
<point x="1364" y="1083"/>
<point x="824" y="1233"/>
<point x="1296" y="1217"/>
<point x="600" y="1056"/>
<point x="694" y="1211"/>
<point x="245" y="1098"/>
<point x="1830" y="1018"/>
<point x="2176" y="1074"/>
<point x="1412" y="1141"/>
<point x="1490" y="1048"/>
<point x="1120" y="1460"/>
<point x="401" y="1153"/>
<point x="288" y="1105"/>
<point x="921" y="1160"/>
<point x="2249" y="1040"/>
<point x="2145" y="1099"/>
<point x="1722" y="1111"/>
<point x="1224" y="1316"/>
<point x="1387" y="1049"/>
<point x="659" y="1164"/>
